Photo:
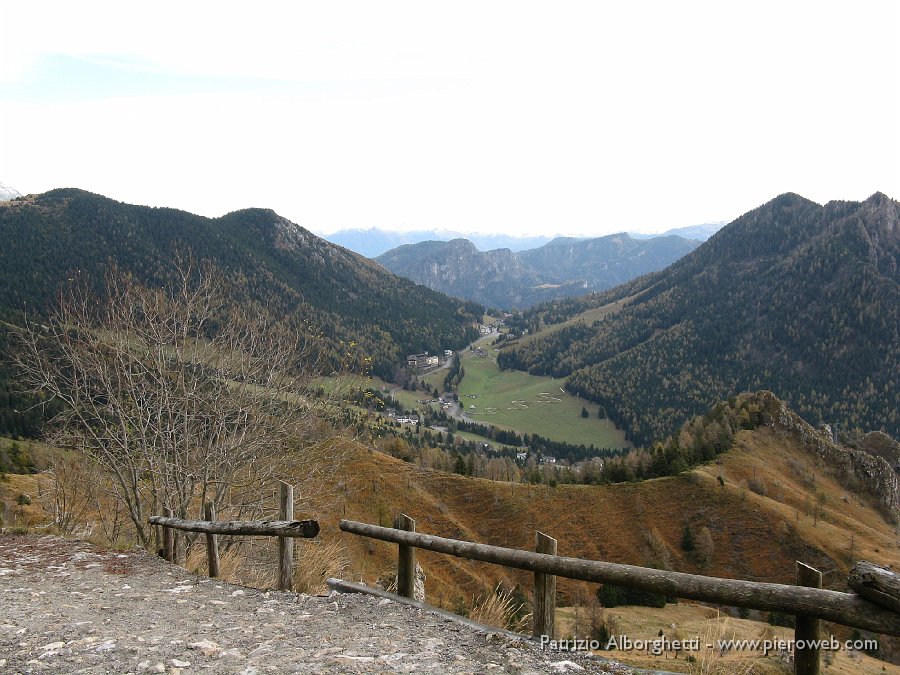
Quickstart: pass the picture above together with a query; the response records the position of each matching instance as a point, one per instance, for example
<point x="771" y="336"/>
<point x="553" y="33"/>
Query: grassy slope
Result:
<point x="690" y="620"/>
<point x="526" y="403"/>
<point x="755" y="537"/>
<point x="588" y="317"/>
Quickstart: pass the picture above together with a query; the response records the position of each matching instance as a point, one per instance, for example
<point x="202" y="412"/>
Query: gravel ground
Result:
<point x="69" y="607"/>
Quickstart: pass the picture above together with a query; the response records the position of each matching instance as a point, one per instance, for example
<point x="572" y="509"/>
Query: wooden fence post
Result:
<point x="544" y="616"/>
<point x="286" y="544"/>
<point x="212" y="541"/>
<point x="806" y="628"/>
<point x="406" y="559"/>
<point x="168" y="538"/>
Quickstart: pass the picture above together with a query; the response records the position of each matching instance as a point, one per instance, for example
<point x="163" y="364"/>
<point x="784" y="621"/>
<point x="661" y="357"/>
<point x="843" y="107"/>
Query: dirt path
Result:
<point x="67" y="606"/>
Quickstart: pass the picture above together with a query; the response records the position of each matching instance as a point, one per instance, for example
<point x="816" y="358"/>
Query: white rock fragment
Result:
<point x="361" y="659"/>
<point x="178" y="663"/>
<point x="52" y="645"/>
<point x="392" y="658"/>
<point x="231" y="654"/>
<point x="180" y="589"/>
<point x="234" y="594"/>
<point x="565" y="667"/>
<point x="206" y="647"/>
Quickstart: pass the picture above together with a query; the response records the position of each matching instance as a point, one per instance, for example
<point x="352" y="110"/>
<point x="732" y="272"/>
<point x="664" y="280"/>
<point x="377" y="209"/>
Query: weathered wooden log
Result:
<point x="406" y="559"/>
<point x="878" y="584"/>
<point x="305" y="529"/>
<point x="807" y="628"/>
<point x="286" y="545"/>
<point x="212" y="541"/>
<point x="845" y="608"/>
<point x="168" y="538"/>
<point x="543" y="620"/>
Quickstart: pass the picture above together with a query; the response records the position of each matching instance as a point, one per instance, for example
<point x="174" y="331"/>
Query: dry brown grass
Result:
<point x="499" y="608"/>
<point x="315" y="561"/>
<point x="707" y="624"/>
<point x="718" y="662"/>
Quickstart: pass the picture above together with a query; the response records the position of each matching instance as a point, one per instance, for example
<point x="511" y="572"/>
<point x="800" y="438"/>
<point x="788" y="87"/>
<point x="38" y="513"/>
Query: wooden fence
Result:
<point x="285" y="529"/>
<point x="807" y="601"/>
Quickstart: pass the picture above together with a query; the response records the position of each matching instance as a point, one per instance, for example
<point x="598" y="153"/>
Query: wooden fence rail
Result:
<point x="286" y="530"/>
<point x="806" y="601"/>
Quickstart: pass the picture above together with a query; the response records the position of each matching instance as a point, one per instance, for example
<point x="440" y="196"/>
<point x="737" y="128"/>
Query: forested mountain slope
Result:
<point x="48" y="238"/>
<point x="495" y="278"/>
<point x="794" y="297"/>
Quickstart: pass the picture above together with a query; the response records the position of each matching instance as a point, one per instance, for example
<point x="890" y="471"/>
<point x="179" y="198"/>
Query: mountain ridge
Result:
<point x="765" y="303"/>
<point x="373" y="242"/>
<point x="348" y="297"/>
<point x="563" y="267"/>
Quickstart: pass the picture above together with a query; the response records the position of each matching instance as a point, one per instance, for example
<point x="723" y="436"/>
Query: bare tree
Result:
<point x="180" y="395"/>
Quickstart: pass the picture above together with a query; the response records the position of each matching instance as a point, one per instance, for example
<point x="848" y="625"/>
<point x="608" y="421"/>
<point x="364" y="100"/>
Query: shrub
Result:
<point x="500" y="608"/>
<point x="611" y="595"/>
<point x="757" y="485"/>
<point x="687" y="538"/>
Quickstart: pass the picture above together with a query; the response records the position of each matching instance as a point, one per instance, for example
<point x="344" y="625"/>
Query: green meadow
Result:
<point x="531" y="404"/>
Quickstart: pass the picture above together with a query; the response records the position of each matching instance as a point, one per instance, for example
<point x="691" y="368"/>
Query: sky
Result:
<point x="515" y="117"/>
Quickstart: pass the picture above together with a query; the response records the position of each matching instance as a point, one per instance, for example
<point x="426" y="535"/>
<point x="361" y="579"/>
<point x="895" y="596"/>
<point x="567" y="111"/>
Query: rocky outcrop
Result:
<point x="856" y="468"/>
<point x="881" y="445"/>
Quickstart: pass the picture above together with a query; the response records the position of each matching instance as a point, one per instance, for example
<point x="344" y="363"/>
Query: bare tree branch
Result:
<point x="181" y="395"/>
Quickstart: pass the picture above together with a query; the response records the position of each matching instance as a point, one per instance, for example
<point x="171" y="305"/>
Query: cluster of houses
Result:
<point x="425" y="360"/>
<point x="487" y="329"/>
<point x="421" y="361"/>
<point x="545" y="459"/>
<point x="403" y="419"/>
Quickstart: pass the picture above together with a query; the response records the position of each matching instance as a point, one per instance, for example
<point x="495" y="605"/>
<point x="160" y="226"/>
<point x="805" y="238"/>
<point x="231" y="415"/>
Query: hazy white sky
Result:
<point x="517" y="117"/>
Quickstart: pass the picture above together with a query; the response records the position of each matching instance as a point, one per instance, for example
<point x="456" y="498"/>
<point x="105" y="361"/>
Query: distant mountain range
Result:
<point x="563" y="267"/>
<point x="374" y="242"/>
<point x="794" y="297"/>
<point x="698" y="232"/>
<point x="7" y="193"/>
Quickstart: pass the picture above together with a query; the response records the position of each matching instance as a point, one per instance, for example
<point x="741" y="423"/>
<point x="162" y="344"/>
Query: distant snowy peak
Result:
<point x="374" y="242"/>
<point x="7" y="193"/>
<point x="695" y="232"/>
